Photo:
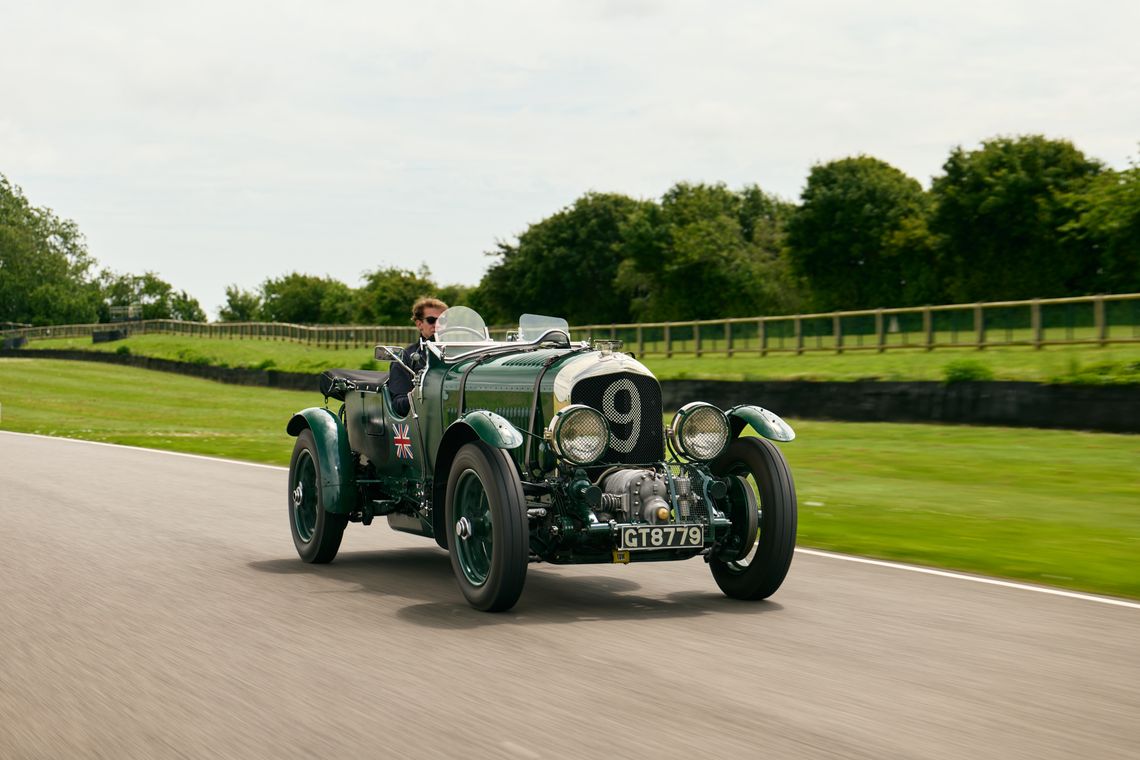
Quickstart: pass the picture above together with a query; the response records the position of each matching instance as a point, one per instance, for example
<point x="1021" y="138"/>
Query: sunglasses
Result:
<point x="429" y="320"/>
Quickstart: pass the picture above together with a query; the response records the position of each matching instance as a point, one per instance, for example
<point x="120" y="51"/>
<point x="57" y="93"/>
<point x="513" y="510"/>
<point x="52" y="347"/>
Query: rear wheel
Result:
<point x="487" y="527"/>
<point x="760" y="467"/>
<point x="316" y="533"/>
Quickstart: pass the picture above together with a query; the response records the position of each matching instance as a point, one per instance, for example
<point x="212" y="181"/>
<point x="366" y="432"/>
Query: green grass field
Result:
<point x="104" y="402"/>
<point x="1054" y="507"/>
<point x="1072" y="364"/>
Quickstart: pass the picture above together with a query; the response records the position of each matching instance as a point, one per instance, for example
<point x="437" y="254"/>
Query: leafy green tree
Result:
<point x="303" y="299"/>
<point x="455" y="295"/>
<point x="185" y="307"/>
<point x="241" y="306"/>
<point x="1000" y="212"/>
<point x="156" y="296"/>
<point x="1108" y="222"/>
<point x="387" y="295"/>
<point x="338" y="304"/>
<point x="564" y="265"/>
<point x="705" y="252"/>
<point x="44" y="265"/>
<point x="859" y="237"/>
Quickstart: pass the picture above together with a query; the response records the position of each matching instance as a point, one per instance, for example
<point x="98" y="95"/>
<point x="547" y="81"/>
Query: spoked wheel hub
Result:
<point x="487" y="526"/>
<point x="473" y="528"/>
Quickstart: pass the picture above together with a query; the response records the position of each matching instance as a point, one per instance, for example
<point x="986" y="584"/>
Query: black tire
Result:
<point x="486" y="527"/>
<point x="316" y="532"/>
<point x="758" y="575"/>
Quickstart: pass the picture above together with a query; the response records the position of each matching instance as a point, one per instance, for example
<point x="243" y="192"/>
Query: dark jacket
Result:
<point x="400" y="382"/>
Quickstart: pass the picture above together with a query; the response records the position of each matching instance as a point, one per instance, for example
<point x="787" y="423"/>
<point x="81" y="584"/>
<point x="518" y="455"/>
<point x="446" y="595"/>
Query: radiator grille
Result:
<point x="631" y="404"/>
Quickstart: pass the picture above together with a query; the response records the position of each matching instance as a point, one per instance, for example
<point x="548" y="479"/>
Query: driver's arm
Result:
<point x="400" y="380"/>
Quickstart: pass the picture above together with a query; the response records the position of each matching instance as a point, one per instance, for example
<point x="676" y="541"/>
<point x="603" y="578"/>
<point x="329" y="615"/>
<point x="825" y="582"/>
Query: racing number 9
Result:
<point x="631" y="418"/>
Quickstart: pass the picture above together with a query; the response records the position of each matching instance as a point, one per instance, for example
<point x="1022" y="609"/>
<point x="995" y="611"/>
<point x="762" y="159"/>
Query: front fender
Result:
<point x="494" y="429"/>
<point x="762" y="421"/>
<point x="478" y="424"/>
<point x="338" y="478"/>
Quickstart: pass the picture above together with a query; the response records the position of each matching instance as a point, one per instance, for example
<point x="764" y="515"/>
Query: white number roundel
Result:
<point x="631" y="418"/>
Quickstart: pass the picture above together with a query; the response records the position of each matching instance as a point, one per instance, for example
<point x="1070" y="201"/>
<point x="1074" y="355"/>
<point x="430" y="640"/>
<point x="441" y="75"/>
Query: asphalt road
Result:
<point x="152" y="606"/>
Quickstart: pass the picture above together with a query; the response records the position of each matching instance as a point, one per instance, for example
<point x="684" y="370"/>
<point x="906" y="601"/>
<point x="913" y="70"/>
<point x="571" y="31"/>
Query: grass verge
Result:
<point x="105" y="402"/>
<point x="1054" y="507"/>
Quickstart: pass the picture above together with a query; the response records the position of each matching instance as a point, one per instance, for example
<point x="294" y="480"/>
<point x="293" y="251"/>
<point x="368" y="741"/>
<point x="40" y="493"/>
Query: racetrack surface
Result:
<point x="152" y="606"/>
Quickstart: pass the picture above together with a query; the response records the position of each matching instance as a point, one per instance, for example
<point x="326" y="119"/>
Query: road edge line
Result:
<point x="973" y="578"/>
<point x="144" y="448"/>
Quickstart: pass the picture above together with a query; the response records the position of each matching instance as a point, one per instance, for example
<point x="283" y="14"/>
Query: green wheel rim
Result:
<point x="304" y="495"/>
<point x="475" y="549"/>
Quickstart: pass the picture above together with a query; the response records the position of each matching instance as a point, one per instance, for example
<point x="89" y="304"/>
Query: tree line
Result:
<point x="47" y="276"/>
<point x="1018" y="217"/>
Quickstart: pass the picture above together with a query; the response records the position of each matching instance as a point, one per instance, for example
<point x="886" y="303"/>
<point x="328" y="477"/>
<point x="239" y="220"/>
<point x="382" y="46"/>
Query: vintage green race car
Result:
<point x="540" y="449"/>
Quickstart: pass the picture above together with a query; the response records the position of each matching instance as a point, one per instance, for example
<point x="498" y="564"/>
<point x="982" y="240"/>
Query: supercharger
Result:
<point x="643" y="494"/>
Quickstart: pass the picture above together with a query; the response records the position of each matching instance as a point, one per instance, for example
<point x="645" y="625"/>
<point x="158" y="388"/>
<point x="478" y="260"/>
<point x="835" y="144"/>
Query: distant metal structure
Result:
<point x="130" y="313"/>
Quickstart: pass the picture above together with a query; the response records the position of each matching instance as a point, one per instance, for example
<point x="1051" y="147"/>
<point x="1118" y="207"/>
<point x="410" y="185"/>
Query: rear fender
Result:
<point x="338" y="476"/>
<point x="765" y="423"/>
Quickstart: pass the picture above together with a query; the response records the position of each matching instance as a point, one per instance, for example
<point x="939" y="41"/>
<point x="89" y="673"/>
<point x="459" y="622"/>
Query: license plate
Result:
<point x="638" y="537"/>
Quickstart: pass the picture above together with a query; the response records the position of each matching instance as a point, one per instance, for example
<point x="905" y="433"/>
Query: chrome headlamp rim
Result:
<point x="555" y="429"/>
<point x="676" y="432"/>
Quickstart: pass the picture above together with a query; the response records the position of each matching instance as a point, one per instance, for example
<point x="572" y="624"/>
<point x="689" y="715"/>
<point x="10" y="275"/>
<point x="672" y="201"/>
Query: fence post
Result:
<point x="1101" y="323"/>
<point x="728" y="338"/>
<point x="697" y="339"/>
<point x="1035" y="321"/>
<point x="798" y="331"/>
<point x="668" y="341"/>
<point x="762" y="336"/>
<point x="880" y="336"/>
<point x="837" y="332"/>
<point x="928" y="327"/>
<point x="979" y="327"/>
<point x="640" y="342"/>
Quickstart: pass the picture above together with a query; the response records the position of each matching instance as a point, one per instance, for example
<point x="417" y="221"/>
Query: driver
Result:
<point x="425" y="312"/>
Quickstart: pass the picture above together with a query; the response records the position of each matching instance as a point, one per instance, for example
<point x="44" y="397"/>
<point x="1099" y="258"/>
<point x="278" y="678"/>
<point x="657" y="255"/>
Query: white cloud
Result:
<point x="228" y="142"/>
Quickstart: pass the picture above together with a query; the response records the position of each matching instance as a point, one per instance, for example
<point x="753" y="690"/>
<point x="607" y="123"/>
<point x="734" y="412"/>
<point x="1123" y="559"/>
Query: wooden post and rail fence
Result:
<point x="1099" y="320"/>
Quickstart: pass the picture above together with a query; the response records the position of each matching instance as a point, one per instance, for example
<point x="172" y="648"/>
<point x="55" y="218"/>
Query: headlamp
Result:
<point x="579" y="434"/>
<point x="699" y="431"/>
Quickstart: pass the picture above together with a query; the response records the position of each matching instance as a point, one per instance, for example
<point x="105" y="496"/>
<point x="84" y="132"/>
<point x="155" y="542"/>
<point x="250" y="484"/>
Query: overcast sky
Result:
<point x="221" y="143"/>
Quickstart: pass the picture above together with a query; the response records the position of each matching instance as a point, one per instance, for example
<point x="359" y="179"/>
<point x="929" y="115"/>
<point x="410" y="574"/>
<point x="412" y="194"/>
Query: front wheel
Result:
<point x="316" y="533"/>
<point x="759" y="465"/>
<point x="486" y="527"/>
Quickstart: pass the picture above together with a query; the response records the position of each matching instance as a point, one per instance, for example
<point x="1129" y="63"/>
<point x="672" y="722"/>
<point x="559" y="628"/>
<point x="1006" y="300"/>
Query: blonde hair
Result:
<point x="426" y="303"/>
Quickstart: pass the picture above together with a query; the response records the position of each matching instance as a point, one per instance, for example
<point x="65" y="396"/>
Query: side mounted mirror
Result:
<point x="392" y="354"/>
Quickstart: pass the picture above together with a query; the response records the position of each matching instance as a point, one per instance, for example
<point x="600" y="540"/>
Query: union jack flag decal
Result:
<point x="402" y="440"/>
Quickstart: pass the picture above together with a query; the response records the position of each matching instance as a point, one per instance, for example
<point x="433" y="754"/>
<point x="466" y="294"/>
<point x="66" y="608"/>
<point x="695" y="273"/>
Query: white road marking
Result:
<point x="150" y="451"/>
<point x="812" y="552"/>
<point x="971" y="578"/>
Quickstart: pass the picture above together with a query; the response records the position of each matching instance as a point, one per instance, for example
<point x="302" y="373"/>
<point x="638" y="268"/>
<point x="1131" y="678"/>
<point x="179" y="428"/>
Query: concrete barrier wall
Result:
<point x="271" y="378"/>
<point x="1110" y="408"/>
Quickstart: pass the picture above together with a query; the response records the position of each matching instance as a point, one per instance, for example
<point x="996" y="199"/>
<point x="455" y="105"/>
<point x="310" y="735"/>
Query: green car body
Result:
<point x="540" y="449"/>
